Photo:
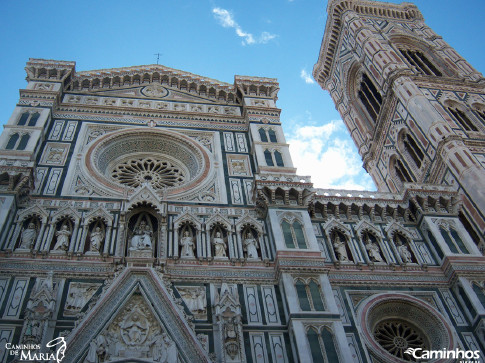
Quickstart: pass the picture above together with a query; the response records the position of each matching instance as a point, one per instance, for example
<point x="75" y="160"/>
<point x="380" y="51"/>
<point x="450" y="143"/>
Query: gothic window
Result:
<point x="268" y="157"/>
<point x="293" y="234"/>
<point x="481" y="113"/>
<point x="452" y="239"/>
<point x="322" y="346"/>
<point x="462" y="119"/>
<point x="12" y="142"/>
<point x="434" y="242"/>
<point x="402" y="172"/>
<point x="23" y="142"/>
<point x="471" y="231"/>
<point x="309" y="296"/>
<point x="272" y="135"/>
<point x="33" y="119"/>
<point x="370" y="97"/>
<point x="413" y="150"/>
<point x="262" y="135"/>
<point x="420" y="62"/>
<point x="278" y="158"/>
<point x="23" y="118"/>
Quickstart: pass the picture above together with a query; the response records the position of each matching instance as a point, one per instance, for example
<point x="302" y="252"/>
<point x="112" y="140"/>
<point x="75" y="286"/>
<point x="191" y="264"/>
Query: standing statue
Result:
<point x="373" y="251"/>
<point x="404" y="252"/>
<point x="250" y="246"/>
<point x="28" y="237"/>
<point x="62" y="239"/>
<point x="96" y="238"/>
<point x="340" y="249"/>
<point x="219" y="245"/>
<point x="187" y="243"/>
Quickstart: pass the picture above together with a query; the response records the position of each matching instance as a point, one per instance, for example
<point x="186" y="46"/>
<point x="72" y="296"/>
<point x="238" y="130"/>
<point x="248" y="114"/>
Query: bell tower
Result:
<point x="413" y="106"/>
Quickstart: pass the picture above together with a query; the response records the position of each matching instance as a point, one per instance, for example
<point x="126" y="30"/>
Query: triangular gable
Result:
<point x="145" y="194"/>
<point x="248" y="220"/>
<point x="114" y="302"/>
<point x="218" y="218"/>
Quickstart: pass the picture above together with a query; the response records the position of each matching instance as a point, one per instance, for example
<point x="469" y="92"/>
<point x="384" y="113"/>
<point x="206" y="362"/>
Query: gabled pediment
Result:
<point x="153" y="81"/>
<point x="136" y="318"/>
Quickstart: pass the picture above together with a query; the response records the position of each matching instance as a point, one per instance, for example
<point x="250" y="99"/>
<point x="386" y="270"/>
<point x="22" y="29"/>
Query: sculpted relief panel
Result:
<point x="134" y="333"/>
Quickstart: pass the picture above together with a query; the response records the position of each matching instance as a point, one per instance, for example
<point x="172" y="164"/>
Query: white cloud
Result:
<point x="306" y="77"/>
<point x="226" y="19"/>
<point x="327" y="155"/>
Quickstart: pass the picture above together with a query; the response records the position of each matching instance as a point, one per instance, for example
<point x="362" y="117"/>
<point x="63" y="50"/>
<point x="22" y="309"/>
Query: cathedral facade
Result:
<point x="153" y="215"/>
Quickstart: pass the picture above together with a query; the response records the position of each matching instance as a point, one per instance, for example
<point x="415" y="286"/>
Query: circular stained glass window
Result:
<point x="158" y="173"/>
<point x="396" y="336"/>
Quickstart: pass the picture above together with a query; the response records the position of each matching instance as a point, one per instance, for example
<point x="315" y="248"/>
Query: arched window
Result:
<point x="262" y="135"/>
<point x="370" y="97"/>
<point x="402" y="172"/>
<point x="322" y="345"/>
<point x="452" y="239"/>
<point x="23" y="142"/>
<point x="33" y="119"/>
<point x="309" y="296"/>
<point x="462" y="119"/>
<point x="471" y="231"/>
<point x="413" y="150"/>
<point x="293" y="234"/>
<point x="278" y="158"/>
<point x="23" y="119"/>
<point x="272" y="135"/>
<point x="481" y="113"/>
<point x="12" y="142"/>
<point x="268" y="157"/>
<point x="417" y="59"/>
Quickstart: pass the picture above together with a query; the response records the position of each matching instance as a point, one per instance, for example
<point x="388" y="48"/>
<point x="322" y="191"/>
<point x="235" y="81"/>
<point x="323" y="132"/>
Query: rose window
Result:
<point x="397" y="336"/>
<point x="158" y="173"/>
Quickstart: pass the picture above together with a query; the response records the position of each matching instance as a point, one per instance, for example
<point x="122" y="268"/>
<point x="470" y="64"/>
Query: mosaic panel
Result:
<point x="70" y="131"/>
<point x="258" y="347"/>
<point x="241" y="143"/>
<point x="238" y="165"/>
<point x="252" y="304"/>
<point x="56" y="130"/>
<point x="236" y="192"/>
<point x="53" y="181"/>
<point x="229" y="141"/>
<point x="278" y="349"/>
<point x="19" y="288"/>
<point x="270" y="305"/>
<point x="55" y="153"/>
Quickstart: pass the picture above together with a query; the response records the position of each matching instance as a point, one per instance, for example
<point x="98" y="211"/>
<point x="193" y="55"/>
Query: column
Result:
<point x="40" y="235"/>
<point x="107" y="240"/>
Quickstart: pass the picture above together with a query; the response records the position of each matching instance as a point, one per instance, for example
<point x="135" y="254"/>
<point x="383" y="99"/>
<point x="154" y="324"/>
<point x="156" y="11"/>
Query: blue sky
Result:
<point x="218" y="39"/>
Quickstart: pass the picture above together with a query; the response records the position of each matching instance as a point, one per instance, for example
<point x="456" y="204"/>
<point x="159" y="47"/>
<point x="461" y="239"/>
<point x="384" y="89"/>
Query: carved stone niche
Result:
<point x="78" y="295"/>
<point x="135" y="333"/>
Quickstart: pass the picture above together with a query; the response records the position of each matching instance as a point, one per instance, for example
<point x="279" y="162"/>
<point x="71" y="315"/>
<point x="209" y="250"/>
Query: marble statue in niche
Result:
<point x="372" y="249"/>
<point x="63" y="236"/>
<point x="97" y="237"/>
<point x="142" y="237"/>
<point x="340" y="249"/>
<point x="219" y="245"/>
<point x="250" y="245"/>
<point x="28" y="236"/>
<point x="187" y="243"/>
<point x="403" y="250"/>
